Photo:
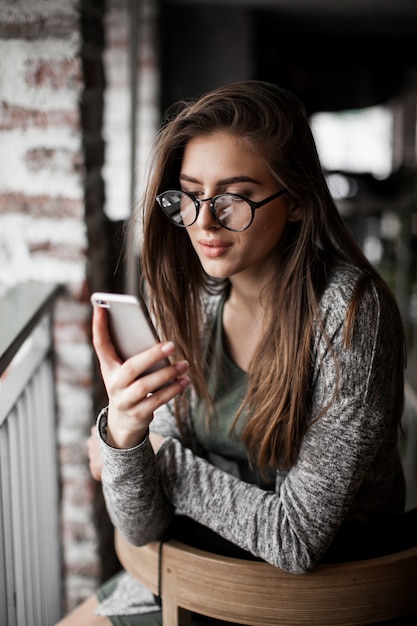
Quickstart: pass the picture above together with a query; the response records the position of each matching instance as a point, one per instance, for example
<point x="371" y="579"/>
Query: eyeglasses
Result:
<point x="230" y="210"/>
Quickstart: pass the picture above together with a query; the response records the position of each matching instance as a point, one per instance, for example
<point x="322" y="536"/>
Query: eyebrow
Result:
<point x="224" y="181"/>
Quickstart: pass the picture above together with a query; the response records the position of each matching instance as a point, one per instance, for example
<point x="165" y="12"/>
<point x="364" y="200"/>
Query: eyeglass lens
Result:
<point x="231" y="212"/>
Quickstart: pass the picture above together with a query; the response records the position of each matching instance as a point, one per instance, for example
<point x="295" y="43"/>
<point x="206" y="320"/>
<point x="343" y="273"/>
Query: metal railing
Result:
<point x="30" y="553"/>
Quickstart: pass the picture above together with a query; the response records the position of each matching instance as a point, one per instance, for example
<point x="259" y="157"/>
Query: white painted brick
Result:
<point x="75" y="358"/>
<point x="20" y="10"/>
<point x="14" y="174"/>
<point x="79" y="588"/>
<point x="14" y="55"/>
<point x="70" y="311"/>
<point x="78" y="471"/>
<point x="15" y="261"/>
<point x="70" y="273"/>
<point x="76" y="405"/>
<point x="61" y="231"/>
<point x="17" y="264"/>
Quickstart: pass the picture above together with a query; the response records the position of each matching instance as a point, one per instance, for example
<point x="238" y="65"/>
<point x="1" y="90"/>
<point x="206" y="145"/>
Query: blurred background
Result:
<point x="83" y="86"/>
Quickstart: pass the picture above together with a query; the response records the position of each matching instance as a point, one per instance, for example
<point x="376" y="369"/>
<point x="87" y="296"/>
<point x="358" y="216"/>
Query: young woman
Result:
<point x="274" y="430"/>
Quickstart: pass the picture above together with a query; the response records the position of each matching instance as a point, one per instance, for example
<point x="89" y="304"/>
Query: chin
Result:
<point x="216" y="273"/>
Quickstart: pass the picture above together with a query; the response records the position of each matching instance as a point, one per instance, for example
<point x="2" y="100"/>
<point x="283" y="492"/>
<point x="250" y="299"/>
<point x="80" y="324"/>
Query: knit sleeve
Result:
<point x="134" y="499"/>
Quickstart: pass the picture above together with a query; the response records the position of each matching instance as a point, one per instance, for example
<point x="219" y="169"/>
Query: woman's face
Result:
<point x="220" y="163"/>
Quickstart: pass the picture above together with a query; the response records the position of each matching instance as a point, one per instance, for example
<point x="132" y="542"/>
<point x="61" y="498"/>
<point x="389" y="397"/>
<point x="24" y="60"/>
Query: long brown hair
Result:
<point x="275" y="123"/>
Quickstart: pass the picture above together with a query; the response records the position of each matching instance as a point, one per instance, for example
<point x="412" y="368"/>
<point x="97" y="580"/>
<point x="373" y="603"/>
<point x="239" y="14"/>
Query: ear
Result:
<point x="295" y="213"/>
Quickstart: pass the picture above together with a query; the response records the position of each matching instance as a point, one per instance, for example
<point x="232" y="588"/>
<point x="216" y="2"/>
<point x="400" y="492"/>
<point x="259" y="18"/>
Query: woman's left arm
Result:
<point x="293" y="528"/>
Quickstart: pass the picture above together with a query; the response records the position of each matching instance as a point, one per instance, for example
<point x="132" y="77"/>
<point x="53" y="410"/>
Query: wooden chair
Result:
<point x="258" y="594"/>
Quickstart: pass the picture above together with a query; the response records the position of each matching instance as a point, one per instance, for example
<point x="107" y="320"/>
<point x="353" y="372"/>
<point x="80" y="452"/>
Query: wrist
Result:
<point x="125" y="440"/>
<point x="114" y="438"/>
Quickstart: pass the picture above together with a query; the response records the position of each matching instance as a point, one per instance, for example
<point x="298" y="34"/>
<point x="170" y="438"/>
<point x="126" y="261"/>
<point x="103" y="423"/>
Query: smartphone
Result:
<point x="130" y="325"/>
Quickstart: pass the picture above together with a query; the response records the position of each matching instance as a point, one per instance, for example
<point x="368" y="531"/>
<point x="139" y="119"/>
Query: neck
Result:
<point x="246" y="293"/>
<point x="243" y="317"/>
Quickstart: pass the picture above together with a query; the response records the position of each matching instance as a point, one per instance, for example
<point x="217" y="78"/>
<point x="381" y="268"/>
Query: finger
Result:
<point x="142" y="386"/>
<point x="137" y="366"/>
<point x="138" y="402"/>
<point x="102" y="342"/>
<point x="164" y="395"/>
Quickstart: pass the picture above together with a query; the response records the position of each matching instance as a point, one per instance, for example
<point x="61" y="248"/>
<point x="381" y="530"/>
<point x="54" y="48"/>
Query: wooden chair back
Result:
<point x="258" y="594"/>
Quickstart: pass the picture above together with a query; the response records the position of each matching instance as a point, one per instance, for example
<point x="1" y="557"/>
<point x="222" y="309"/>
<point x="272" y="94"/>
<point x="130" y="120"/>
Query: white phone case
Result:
<point x="130" y="325"/>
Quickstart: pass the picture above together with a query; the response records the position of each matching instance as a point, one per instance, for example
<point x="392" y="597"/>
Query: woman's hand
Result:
<point x="133" y="398"/>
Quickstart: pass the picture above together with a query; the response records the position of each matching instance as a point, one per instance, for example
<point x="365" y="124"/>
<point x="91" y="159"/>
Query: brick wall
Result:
<point x="43" y="234"/>
<point x="65" y="187"/>
<point x="41" y="194"/>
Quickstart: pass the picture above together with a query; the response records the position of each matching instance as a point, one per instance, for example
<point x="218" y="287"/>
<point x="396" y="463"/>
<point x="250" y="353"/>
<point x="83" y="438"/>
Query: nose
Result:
<point x="206" y="219"/>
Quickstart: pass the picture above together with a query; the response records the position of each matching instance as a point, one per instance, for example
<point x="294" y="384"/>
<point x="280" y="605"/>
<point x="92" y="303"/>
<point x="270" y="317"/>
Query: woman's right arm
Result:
<point x="123" y="427"/>
<point x="131" y="487"/>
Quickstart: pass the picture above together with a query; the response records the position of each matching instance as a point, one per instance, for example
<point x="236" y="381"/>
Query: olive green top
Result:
<point x="227" y="385"/>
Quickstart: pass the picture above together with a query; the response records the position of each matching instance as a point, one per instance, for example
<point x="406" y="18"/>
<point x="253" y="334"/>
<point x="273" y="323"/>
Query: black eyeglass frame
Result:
<point x="197" y="203"/>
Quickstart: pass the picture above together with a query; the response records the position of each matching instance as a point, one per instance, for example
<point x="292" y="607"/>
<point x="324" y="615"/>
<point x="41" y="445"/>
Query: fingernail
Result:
<point x="168" y="347"/>
<point x="182" y="366"/>
<point x="184" y="381"/>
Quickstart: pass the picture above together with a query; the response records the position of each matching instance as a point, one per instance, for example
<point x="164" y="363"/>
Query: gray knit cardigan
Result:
<point x="348" y="468"/>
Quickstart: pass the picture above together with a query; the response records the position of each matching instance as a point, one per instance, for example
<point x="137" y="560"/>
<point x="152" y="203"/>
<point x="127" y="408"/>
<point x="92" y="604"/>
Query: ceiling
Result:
<point x="349" y="7"/>
<point x="388" y="13"/>
<point x="335" y="54"/>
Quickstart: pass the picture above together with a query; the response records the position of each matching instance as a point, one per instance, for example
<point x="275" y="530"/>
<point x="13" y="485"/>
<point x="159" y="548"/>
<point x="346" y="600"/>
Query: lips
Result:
<point x="213" y="248"/>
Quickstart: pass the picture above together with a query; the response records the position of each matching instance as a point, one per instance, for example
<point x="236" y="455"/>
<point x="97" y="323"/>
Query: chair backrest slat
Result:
<point x="258" y="594"/>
